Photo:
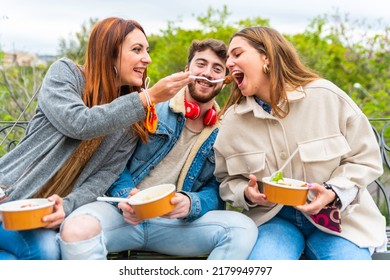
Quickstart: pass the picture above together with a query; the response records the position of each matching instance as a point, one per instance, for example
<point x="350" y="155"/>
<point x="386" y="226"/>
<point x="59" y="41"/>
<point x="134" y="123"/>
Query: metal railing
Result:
<point x="381" y="128"/>
<point x="10" y="134"/>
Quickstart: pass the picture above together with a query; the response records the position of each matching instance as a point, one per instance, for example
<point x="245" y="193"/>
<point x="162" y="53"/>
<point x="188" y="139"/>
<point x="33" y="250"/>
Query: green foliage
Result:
<point x="170" y="49"/>
<point x="75" y="48"/>
<point x="353" y="55"/>
<point x="17" y="87"/>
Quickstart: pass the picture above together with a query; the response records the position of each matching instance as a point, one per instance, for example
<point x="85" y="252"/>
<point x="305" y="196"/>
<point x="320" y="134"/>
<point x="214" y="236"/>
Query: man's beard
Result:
<point x="201" y="98"/>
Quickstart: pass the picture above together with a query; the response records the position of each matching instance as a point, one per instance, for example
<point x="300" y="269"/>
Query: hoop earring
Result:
<point x="265" y="69"/>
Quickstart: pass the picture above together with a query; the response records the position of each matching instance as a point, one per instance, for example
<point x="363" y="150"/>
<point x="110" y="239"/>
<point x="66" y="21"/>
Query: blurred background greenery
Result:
<point x="353" y="55"/>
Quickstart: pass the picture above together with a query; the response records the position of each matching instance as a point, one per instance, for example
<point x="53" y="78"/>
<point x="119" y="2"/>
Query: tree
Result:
<point x="169" y="50"/>
<point x="75" y="48"/>
<point x="18" y="85"/>
<point x="359" y="66"/>
<point x="328" y="46"/>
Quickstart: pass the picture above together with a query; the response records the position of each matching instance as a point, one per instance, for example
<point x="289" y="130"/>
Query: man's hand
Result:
<point x="128" y="211"/>
<point x="183" y="205"/>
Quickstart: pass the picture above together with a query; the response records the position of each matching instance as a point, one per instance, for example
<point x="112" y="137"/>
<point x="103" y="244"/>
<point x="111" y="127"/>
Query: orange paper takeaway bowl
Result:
<point x="153" y="202"/>
<point x="25" y="214"/>
<point x="289" y="192"/>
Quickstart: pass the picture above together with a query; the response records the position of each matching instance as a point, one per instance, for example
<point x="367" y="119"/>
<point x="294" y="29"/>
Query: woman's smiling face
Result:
<point x="134" y="58"/>
<point x="245" y="64"/>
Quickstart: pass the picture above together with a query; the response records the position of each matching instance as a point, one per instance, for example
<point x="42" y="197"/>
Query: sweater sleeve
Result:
<point x="61" y="102"/>
<point x="362" y="165"/>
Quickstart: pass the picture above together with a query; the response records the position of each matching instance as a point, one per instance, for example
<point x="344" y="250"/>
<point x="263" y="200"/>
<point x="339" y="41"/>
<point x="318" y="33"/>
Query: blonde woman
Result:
<point x="278" y="105"/>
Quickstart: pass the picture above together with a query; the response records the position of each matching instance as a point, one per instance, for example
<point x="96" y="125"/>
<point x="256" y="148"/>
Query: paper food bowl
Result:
<point x="26" y="214"/>
<point x="291" y="192"/>
<point x="153" y="202"/>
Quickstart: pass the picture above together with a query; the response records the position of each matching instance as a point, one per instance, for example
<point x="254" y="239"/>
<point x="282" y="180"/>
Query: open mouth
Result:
<point x="238" y="76"/>
<point x="139" y="71"/>
<point x="204" y="83"/>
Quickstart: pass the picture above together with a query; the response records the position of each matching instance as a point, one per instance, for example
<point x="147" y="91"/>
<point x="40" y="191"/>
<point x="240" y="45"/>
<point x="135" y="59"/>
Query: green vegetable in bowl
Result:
<point x="277" y="177"/>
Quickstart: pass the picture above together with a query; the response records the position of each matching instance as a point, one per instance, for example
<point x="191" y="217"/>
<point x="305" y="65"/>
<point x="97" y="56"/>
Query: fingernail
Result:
<point x="263" y="196"/>
<point x="309" y="185"/>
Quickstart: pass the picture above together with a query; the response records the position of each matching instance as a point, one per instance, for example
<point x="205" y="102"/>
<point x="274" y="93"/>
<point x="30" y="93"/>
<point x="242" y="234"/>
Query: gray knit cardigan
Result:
<point x="61" y="121"/>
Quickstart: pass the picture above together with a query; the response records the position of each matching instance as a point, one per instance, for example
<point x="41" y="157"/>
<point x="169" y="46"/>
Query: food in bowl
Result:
<point x="25" y="214"/>
<point x="29" y="205"/>
<point x="285" y="191"/>
<point x="278" y="176"/>
<point x="153" y="202"/>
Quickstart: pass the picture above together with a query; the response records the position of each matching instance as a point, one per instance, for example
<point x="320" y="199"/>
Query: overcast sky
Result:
<point x="37" y="25"/>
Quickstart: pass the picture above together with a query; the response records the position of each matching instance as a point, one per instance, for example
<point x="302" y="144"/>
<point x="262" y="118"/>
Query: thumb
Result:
<point x="134" y="191"/>
<point x="252" y="181"/>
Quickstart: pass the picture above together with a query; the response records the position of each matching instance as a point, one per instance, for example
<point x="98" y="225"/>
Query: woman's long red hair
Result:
<point x="104" y="47"/>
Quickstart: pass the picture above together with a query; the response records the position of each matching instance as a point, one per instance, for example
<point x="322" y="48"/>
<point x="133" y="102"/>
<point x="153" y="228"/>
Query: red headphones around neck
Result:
<point x="193" y="112"/>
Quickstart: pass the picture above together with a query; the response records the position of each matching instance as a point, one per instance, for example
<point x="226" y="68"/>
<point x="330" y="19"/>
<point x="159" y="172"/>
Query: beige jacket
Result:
<point x="336" y="145"/>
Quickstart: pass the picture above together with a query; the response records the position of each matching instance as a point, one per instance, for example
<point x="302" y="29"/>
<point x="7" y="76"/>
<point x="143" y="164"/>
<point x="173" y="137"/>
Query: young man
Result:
<point x="179" y="152"/>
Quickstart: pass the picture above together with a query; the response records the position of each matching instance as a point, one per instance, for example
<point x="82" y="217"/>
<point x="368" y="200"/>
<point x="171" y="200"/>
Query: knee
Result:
<point x="243" y="222"/>
<point x="81" y="227"/>
<point x="242" y="225"/>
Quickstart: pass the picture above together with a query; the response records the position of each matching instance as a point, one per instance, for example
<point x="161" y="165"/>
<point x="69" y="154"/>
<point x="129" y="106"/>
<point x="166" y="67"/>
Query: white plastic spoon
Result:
<point x="204" y="78"/>
<point x="112" y="199"/>
<point x="279" y="172"/>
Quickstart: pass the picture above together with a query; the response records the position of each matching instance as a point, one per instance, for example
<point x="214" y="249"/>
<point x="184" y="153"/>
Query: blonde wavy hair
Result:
<point x="286" y="71"/>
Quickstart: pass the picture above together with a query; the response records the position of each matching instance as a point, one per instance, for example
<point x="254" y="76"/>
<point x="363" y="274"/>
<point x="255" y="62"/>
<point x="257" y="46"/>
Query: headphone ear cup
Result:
<point x="192" y="110"/>
<point x="210" y="118"/>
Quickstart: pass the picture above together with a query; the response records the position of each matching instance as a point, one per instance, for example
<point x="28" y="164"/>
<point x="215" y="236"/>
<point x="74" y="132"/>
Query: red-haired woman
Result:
<point x="86" y="125"/>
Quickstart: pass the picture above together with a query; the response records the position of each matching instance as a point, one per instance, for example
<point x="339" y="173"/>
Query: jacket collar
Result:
<point x="296" y="95"/>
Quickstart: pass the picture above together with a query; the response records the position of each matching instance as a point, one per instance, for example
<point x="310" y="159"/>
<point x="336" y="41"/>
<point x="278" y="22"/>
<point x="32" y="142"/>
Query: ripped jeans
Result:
<point x="218" y="234"/>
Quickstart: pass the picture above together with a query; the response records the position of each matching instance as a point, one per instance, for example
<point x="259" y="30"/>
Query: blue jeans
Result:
<point x="219" y="234"/>
<point x="37" y="244"/>
<point x="290" y="234"/>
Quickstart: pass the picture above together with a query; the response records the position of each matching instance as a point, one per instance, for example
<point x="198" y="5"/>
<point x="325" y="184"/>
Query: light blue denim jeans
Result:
<point x="290" y="234"/>
<point x="218" y="234"/>
<point x="37" y="244"/>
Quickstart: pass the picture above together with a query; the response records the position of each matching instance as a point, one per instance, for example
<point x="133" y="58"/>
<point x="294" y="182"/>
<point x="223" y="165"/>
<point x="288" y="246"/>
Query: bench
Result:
<point x="11" y="132"/>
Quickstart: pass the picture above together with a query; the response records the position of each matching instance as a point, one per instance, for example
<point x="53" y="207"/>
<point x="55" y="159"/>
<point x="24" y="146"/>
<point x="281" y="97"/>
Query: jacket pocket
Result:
<point x="322" y="156"/>
<point x="246" y="163"/>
